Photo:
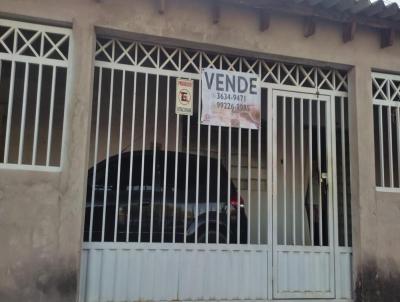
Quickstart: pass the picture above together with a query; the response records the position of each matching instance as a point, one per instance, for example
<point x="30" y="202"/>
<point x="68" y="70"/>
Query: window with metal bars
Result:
<point x="386" y="103"/>
<point x="33" y="92"/>
<point x="343" y="189"/>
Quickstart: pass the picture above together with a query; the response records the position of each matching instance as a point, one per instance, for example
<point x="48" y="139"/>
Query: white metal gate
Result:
<point x="177" y="210"/>
<point x="303" y="212"/>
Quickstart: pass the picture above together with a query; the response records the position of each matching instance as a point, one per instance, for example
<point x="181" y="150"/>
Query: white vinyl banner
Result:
<point x="230" y="99"/>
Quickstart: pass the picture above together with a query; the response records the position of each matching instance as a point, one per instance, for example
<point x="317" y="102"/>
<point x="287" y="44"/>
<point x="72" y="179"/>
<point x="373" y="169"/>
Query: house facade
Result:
<point x="109" y="192"/>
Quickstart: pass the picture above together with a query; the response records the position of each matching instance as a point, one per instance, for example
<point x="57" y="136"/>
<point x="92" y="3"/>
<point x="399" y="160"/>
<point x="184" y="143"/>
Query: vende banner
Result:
<point x="231" y="99"/>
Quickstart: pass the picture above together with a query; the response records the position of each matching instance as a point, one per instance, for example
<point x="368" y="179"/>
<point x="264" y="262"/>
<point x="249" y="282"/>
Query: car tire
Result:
<point x="212" y="237"/>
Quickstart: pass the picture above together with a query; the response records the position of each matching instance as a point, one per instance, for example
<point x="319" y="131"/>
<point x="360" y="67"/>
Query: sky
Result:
<point x="390" y="1"/>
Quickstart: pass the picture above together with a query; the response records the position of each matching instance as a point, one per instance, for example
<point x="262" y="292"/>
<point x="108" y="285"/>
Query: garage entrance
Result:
<point x="177" y="210"/>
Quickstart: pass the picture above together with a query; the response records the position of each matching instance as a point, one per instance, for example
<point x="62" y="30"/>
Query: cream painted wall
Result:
<point x="40" y="261"/>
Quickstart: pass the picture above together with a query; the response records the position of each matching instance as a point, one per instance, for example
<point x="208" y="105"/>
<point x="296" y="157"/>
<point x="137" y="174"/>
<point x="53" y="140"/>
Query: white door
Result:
<point x="303" y="245"/>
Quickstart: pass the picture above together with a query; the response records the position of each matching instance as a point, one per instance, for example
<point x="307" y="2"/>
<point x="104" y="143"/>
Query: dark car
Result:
<point x="168" y="207"/>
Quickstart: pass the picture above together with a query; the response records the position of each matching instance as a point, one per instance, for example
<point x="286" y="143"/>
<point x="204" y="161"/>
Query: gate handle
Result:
<point x="324" y="180"/>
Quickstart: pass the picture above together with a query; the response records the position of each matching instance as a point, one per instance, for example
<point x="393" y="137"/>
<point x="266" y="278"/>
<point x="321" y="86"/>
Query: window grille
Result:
<point x="341" y="133"/>
<point x="33" y="92"/>
<point x="386" y="102"/>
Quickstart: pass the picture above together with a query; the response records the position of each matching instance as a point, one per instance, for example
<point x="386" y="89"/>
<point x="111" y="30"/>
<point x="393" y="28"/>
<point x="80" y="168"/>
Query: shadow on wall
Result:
<point x="377" y="285"/>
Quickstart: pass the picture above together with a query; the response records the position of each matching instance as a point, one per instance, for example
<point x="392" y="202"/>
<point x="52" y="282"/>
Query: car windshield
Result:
<point x="156" y="183"/>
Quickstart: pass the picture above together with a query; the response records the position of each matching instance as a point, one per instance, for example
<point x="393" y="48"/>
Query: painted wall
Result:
<point x="41" y="213"/>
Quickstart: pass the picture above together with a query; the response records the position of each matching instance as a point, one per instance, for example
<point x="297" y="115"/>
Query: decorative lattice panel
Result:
<point x="386" y="102"/>
<point x="386" y="87"/>
<point x="192" y="61"/>
<point x="32" y="40"/>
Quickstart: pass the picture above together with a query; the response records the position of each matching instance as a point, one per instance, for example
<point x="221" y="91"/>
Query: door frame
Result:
<point x="331" y="207"/>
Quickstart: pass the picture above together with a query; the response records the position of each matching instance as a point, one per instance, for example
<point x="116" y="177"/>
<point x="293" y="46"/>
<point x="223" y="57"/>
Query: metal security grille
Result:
<point x="159" y="177"/>
<point x="176" y="180"/>
<point x="386" y="100"/>
<point x="215" y="213"/>
<point x="33" y="86"/>
<point x="303" y="123"/>
<point x="311" y="192"/>
<point x="341" y="189"/>
<point x="305" y="156"/>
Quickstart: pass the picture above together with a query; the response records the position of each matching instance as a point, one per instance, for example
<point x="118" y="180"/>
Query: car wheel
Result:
<point x="212" y="237"/>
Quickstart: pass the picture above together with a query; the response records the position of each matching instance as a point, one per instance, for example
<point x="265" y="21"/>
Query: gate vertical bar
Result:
<point x="382" y="159"/>
<point x="390" y="140"/>
<point x="165" y="162"/>
<point x="131" y="157"/>
<point x="273" y="225"/>
<point x="270" y="122"/>
<point x="334" y="231"/>
<point x="330" y="157"/>
<point x="121" y="123"/>
<point x="238" y="198"/>
<point x="198" y="163"/>
<point x="10" y="101"/>
<point x="9" y="111"/>
<point x="51" y="115"/>
<point x="219" y="172"/>
<point x="310" y="151"/>
<point x="37" y="114"/>
<point x="23" y="117"/>
<point x="154" y="154"/>
<point x="302" y="169"/>
<point x="249" y="186"/>
<point x="344" y="176"/>
<point x="259" y="187"/>
<point x="389" y="134"/>
<point x="208" y="181"/>
<point x="108" y="154"/>
<point x="187" y="176"/>
<point x="229" y="183"/>
<point x="96" y="145"/>
<point x="319" y="171"/>
<point x="218" y="181"/>
<point x="293" y="172"/>
<point x="398" y="143"/>
<point x="176" y="177"/>
<point x="284" y="173"/>
<point x="146" y="84"/>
